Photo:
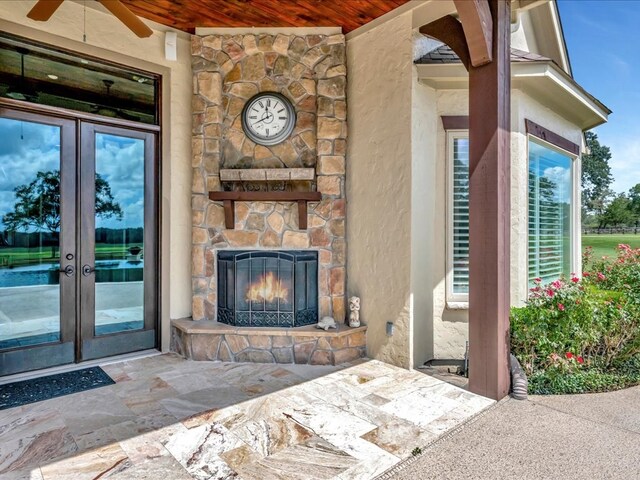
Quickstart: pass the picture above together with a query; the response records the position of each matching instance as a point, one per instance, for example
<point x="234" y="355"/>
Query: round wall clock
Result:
<point x="268" y="118"/>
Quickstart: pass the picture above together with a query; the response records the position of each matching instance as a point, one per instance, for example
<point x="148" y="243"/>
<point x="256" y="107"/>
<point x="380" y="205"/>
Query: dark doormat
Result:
<point x="35" y="390"/>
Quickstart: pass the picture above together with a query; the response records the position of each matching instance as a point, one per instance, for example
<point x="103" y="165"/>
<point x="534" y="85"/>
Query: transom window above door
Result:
<point x="44" y="75"/>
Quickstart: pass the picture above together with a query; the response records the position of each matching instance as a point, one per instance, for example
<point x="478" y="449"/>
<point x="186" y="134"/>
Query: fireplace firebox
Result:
<point x="268" y="288"/>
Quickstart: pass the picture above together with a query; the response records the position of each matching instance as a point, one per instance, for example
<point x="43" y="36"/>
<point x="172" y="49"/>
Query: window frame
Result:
<point x="575" y="201"/>
<point x="454" y="300"/>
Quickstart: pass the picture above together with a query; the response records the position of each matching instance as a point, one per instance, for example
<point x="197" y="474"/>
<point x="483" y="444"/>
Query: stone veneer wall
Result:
<point x="311" y="71"/>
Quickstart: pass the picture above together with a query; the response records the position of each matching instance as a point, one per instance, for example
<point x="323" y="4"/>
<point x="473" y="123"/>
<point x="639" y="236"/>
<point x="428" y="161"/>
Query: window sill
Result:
<point x="457" y="305"/>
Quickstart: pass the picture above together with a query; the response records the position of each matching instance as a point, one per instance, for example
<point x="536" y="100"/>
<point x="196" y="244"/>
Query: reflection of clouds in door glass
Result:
<point x="26" y="148"/>
<point x="120" y="162"/>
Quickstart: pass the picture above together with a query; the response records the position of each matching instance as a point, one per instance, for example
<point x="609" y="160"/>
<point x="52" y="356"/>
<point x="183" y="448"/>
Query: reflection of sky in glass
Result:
<point x="120" y="161"/>
<point x="26" y="148"/>
<point x="553" y="166"/>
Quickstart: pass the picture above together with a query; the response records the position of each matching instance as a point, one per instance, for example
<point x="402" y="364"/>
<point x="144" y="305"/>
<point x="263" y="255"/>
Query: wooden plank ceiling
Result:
<point x="186" y="15"/>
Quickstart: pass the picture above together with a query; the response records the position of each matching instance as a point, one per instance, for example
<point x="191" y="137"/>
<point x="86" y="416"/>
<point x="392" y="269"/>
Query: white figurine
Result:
<point x="354" y="312"/>
<point x="326" y="323"/>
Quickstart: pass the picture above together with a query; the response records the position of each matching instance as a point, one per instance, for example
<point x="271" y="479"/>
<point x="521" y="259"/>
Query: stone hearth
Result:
<point x="207" y="340"/>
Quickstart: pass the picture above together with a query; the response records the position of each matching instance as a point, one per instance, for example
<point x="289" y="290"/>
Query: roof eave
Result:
<point x="539" y="77"/>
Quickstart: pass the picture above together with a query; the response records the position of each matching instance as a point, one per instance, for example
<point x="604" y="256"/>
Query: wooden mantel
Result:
<point x="229" y="199"/>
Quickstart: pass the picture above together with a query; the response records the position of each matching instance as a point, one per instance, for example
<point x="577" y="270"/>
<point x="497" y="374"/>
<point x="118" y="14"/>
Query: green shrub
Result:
<point x="587" y="381"/>
<point x="582" y="334"/>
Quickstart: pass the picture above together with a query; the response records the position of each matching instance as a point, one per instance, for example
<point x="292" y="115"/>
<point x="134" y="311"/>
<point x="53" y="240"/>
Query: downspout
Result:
<point x="519" y="382"/>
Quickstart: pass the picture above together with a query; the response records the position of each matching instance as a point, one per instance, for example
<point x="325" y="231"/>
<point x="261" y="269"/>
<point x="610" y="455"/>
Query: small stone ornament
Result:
<point x="354" y="312"/>
<point x="326" y="323"/>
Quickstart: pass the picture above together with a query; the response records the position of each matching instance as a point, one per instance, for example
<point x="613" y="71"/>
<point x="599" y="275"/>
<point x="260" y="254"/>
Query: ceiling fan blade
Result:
<point x="126" y="16"/>
<point x="43" y="10"/>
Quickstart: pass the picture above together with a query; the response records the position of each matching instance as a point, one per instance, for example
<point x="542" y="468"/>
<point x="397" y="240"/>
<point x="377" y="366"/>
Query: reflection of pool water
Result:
<point x="47" y="274"/>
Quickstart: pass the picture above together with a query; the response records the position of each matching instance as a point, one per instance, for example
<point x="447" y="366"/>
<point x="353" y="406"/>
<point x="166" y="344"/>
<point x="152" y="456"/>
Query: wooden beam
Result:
<point x="449" y="30"/>
<point x="229" y="214"/>
<point x="551" y="137"/>
<point x="489" y="213"/>
<point x="477" y="23"/>
<point x="302" y="214"/>
<point x="455" y="122"/>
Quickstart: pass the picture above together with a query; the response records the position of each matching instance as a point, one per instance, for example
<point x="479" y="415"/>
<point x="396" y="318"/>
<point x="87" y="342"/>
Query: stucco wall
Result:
<point x="107" y="38"/>
<point x="425" y="122"/>
<point x="450" y="326"/>
<point x="380" y="64"/>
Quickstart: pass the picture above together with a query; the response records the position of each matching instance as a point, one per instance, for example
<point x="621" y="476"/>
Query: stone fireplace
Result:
<point x="259" y="288"/>
<point x="310" y="71"/>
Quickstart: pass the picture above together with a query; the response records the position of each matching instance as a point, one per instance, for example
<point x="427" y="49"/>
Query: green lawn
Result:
<point x="605" y="245"/>
<point x="17" y="257"/>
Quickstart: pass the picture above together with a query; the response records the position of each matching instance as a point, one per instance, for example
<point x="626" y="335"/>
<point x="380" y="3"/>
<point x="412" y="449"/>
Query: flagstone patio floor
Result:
<point x="170" y="419"/>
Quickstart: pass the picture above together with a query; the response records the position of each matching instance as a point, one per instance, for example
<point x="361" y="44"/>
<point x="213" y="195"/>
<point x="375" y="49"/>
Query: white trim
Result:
<point x="203" y="31"/>
<point x="575" y="218"/>
<point x="557" y="30"/>
<point x="453" y="299"/>
<point x="565" y="82"/>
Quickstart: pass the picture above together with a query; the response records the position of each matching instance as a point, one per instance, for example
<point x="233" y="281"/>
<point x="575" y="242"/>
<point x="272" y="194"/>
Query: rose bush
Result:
<point x="582" y="333"/>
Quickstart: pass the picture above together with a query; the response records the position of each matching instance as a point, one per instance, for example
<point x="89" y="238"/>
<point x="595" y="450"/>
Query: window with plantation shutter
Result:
<point x="458" y="241"/>
<point x="550" y="207"/>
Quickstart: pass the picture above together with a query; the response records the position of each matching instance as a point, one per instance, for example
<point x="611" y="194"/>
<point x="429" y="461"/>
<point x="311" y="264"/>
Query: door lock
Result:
<point x="68" y="270"/>
<point x="87" y="270"/>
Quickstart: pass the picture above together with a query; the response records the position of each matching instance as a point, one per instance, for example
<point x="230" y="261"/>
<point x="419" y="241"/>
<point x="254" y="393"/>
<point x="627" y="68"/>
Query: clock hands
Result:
<point x="269" y="115"/>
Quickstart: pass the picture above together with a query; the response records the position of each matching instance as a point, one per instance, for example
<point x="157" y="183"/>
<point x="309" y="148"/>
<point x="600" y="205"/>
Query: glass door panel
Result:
<point x="118" y="252"/>
<point x="119" y="233"/>
<point x="36" y="288"/>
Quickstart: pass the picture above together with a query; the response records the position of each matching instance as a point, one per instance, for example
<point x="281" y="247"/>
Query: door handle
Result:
<point x="87" y="270"/>
<point x="68" y="270"/>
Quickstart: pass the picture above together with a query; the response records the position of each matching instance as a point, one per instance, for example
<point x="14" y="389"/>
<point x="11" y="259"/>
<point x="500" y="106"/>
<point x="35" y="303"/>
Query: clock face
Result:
<point x="268" y="118"/>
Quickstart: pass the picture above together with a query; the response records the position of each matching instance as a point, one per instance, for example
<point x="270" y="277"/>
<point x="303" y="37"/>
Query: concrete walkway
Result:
<point x="594" y="436"/>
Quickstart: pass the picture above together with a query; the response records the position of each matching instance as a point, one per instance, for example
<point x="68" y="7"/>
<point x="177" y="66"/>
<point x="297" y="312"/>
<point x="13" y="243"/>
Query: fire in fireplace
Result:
<point x="268" y="288"/>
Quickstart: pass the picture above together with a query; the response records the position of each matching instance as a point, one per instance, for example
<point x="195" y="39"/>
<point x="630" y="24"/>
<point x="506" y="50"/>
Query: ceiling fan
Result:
<point x="44" y="9"/>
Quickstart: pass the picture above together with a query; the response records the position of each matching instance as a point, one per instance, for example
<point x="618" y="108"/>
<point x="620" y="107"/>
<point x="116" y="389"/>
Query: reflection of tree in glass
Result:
<point x="548" y="190"/>
<point x="38" y="204"/>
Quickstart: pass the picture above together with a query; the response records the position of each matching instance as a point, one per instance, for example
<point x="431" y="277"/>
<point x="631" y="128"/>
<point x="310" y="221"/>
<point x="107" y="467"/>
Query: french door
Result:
<point x="78" y="241"/>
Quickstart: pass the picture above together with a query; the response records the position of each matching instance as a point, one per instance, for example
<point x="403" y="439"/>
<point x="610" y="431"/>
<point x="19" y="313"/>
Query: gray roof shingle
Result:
<point x="444" y="54"/>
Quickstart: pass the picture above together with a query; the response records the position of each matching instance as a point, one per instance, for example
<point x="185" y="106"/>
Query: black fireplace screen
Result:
<point x="268" y="288"/>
